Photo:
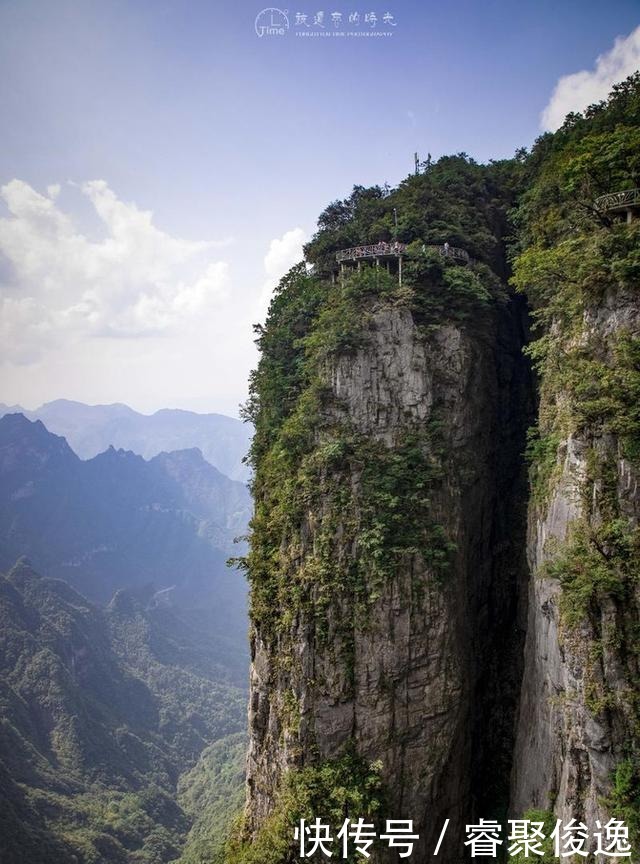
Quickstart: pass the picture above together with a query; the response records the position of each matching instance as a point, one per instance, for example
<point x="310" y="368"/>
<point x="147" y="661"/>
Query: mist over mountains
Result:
<point x="91" y="429"/>
<point x="119" y="521"/>
<point x="123" y="650"/>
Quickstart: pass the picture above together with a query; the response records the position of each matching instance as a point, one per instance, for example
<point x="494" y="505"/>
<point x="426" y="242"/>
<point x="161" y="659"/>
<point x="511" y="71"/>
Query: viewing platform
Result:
<point x="375" y="250"/>
<point x="627" y="202"/>
<point x="395" y="250"/>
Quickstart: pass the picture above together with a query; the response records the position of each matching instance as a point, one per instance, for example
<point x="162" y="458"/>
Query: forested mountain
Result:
<point x="91" y="429"/>
<point x="105" y="708"/>
<point x="443" y="558"/>
<point x="118" y="521"/>
<point x="212" y="794"/>
<point x="102" y="712"/>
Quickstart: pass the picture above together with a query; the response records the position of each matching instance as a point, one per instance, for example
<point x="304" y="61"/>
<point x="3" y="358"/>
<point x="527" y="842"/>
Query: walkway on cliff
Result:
<point x="395" y="251"/>
<point x="626" y="202"/>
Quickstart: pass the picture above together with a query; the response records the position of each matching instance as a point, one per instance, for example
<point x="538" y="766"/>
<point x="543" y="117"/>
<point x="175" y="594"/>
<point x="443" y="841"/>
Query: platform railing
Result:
<point x="382" y="250"/>
<point x="396" y="249"/>
<point x="373" y="250"/>
<point x="619" y="200"/>
<point x="450" y="252"/>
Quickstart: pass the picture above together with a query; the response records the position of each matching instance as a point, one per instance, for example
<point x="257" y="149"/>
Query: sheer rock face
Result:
<point x="565" y="752"/>
<point x="415" y="694"/>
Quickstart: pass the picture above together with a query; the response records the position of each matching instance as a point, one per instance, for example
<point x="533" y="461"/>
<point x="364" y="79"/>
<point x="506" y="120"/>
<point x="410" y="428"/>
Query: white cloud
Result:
<point x="60" y="285"/>
<point x="282" y="254"/>
<point x="577" y="91"/>
<point x="69" y="287"/>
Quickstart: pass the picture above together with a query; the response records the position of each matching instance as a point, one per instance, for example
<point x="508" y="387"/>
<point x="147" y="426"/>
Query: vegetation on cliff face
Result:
<point x="576" y="263"/>
<point x="367" y="504"/>
<point x="301" y="456"/>
<point x="580" y="268"/>
<point x="339" y="512"/>
<point x="339" y="789"/>
<point x="545" y="820"/>
<point x="572" y="259"/>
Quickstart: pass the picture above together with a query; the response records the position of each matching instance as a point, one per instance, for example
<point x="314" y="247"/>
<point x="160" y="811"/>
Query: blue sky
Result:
<point x="181" y="110"/>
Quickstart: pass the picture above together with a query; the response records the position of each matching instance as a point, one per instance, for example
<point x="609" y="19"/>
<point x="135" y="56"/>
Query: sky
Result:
<point x="161" y="163"/>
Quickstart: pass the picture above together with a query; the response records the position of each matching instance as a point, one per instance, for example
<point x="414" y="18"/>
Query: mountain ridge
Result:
<point x="90" y="429"/>
<point x="120" y="521"/>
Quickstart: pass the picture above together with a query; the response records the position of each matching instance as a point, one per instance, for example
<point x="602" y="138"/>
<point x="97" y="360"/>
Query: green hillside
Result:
<point x="102" y="712"/>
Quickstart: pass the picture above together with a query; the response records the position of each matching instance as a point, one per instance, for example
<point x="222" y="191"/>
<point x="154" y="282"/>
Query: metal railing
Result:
<point x="375" y="250"/>
<point x="450" y="252"/>
<point x="381" y="250"/>
<point x="619" y="200"/>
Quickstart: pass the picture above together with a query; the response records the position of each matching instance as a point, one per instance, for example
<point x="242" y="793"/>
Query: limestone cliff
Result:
<point x="577" y="739"/>
<point x="578" y="716"/>
<point x="387" y="550"/>
<point x="418" y="651"/>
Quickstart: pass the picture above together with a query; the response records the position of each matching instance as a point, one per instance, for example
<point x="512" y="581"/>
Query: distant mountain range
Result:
<point x="122" y="716"/>
<point x="102" y="711"/>
<point x="117" y="521"/>
<point x="91" y="429"/>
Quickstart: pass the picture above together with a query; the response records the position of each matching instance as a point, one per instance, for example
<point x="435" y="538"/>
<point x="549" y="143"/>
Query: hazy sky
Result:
<point x="161" y="164"/>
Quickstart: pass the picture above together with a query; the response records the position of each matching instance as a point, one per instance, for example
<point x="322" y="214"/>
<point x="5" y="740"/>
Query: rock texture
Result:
<point x="434" y="667"/>
<point x="567" y="749"/>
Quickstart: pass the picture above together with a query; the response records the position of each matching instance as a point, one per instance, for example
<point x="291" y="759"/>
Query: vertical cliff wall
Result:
<point x="578" y="719"/>
<point x="577" y="740"/>
<point x="418" y="650"/>
<point x="387" y="555"/>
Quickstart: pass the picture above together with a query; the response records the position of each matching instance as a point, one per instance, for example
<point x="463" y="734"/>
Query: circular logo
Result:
<point x="271" y="22"/>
